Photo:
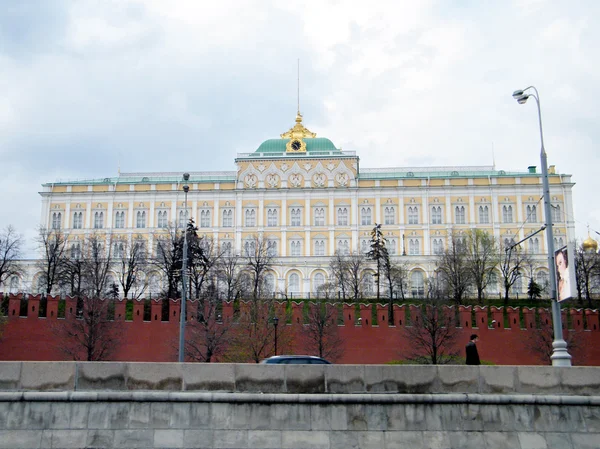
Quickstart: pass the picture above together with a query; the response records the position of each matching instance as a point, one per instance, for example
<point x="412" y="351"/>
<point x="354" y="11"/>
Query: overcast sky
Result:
<point x="87" y="87"/>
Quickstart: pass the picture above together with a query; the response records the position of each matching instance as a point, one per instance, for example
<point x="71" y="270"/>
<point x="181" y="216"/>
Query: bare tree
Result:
<point x="338" y="271"/>
<point x="97" y="264"/>
<point x="481" y="258"/>
<point x="89" y="334"/>
<point x="53" y="245"/>
<point x="453" y="269"/>
<point x="356" y="263"/>
<point x="322" y="332"/>
<point x="432" y="333"/>
<point x="10" y="252"/>
<point x="259" y="258"/>
<point x="209" y="336"/>
<point x="587" y="267"/>
<point x="396" y="279"/>
<point x="228" y="272"/>
<point x="204" y="257"/>
<point x="512" y="263"/>
<point x="168" y="259"/>
<point x="130" y="259"/>
<point x="540" y="342"/>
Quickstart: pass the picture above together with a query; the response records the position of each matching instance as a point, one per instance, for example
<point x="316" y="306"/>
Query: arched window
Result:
<point x="272" y="248"/>
<point x="459" y="213"/>
<point x="364" y="246"/>
<point x="389" y="215"/>
<point x="272" y="217"/>
<point x="365" y="216"/>
<point x="413" y="247"/>
<point x="294" y="283"/>
<point x="318" y="282"/>
<point x="484" y="215"/>
<point x="296" y="218"/>
<point x="438" y="246"/>
<point x="413" y="215"/>
<point x="507" y="216"/>
<point x="343" y="247"/>
<point x="56" y="220"/>
<point x="183" y="218"/>
<point x="368" y="284"/>
<point x="250" y="218"/>
<point x="228" y="218"/>
<point x="120" y="219"/>
<point x="342" y="216"/>
<point x="391" y="246"/>
<point x="205" y="219"/>
<point x="77" y="220"/>
<point x="417" y="284"/>
<point x="436" y="215"/>
<point x="140" y="221"/>
<point x="556" y="213"/>
<point x="296" y="248"/>
<point x="319" y="247"/>
<point x="270" y="283"/>
<point x="534" y="245"/>
<point x="14" y="284"/>
<point x="532" y="214"/>
<point x="98" y="220"/>
<point x="319" y="216"/>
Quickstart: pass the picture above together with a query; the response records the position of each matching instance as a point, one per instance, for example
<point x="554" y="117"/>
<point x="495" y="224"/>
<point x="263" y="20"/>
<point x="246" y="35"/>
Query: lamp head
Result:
<point x="186" y="177"/>
<point x="275" y="321"/>
<point x="520" y="96"/>
<point x="517" y="94"/>
<point x="186" y="188"/>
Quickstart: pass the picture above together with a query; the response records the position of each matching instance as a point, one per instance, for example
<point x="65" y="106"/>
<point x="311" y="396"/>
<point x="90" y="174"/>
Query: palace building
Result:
<point x="309" y="199"/>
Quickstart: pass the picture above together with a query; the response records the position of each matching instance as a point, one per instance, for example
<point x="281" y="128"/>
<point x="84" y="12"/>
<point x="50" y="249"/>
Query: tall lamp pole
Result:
<point x="560" y="355"/>
<point x="275" y="324"/>
<point x="182" y="315"/>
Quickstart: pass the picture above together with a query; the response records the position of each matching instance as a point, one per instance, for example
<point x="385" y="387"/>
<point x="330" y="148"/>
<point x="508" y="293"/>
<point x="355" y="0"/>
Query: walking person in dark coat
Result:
<point x="471" y="350"/>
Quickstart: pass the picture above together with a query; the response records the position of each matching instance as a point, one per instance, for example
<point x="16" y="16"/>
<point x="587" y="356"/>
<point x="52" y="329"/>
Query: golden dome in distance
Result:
<point x="590" y="244"/>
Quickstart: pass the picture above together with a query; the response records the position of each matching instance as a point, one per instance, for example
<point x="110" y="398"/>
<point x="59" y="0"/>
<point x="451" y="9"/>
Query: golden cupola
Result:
<point x="590" y="245"/>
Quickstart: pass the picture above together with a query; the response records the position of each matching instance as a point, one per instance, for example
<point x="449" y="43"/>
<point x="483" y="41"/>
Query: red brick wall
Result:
<point x="33" y="338"/>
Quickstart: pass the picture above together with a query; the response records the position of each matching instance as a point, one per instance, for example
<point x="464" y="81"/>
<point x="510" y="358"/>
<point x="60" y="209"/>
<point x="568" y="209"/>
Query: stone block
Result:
<point x="48" y="376"/>
<point x="154" y="376"/>
<point x="320" y="417"/>
<point x="285" y="417"/>
<point x="36" y="415"/>
<point x="401" y="379"/>
<point x="208" y="377"/>
<point x="101" y="376"/>
<point x="98" y="416"/>
<point x="139" y="415"/>
<point x="160" y="415"/>
<point x="402" y="440"/>
<point x="252" y="416"/>
<point x="356" y="418"/>
<point x="68" y="438"/>
<point x="532" y="440"/>
<point x="345" y="378"/>
<point x="100" y="438"/>
<point x="465" y="440"/>
<point x="556" y="418"/>
<point x="580" y="380"/>
<point x="170" y="438"/>
<point x="220" y="416"/>
<point x="435" y="440"/>
<point x="558" y="440"/>
<point x="356" y="440"/>
<point x="376" y="416"/>
<point x="296" y="439"/>
<point x="230" y="439"/>
<point x="453" y="417"/>
<point x="200" y="415"/>
<point x="141" y="438"/>
<point x="494" y="418"/>
<point x="60" y="415"/>
<point x="180" y="415"/>
<point x="501" y="440"/>
<point x="585" y="440"/>
<point x="339" y="418"/>
<point x="255" y="378"/>
<point x="305" y="379"/>
<point x="22" y="439"/>
<point x="10" y="373"/>
<point x="264" y="439"/>
<point x="198" y="438"/>
<point x="538" y="379"/>
<point x="415" y="417"/>
<point x="79" y="415"/>
<point x="497" y="379"/>
<point x="458" y="379"/>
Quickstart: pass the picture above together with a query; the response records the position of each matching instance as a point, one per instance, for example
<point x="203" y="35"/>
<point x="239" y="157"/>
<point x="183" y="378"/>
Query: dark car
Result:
<point x="295" y="360"/>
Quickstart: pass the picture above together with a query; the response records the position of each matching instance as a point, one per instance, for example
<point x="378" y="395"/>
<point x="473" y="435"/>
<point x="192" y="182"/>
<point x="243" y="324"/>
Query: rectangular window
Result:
<point x="507" y="214"/>
<point x="342" y="216"/>
<point x="484" y="215"/>
<point x="205" y="219"/>
<point x="413" y="247"/>
<point x="98" y="220"/>
<point x="436" y="215"/>
<point x="296" y="248"/>
<point x="77" y="220"/>
<point x="227" y="218"/>
<point x="319" y="216"/>
<point x="295" y="217"/>
<point x="413" y="215"/>
<point x="272" y="217"/>
<point x="365" y="216"/>
<point x="250" y="218"/>
<point x="56" y="220"/>
<point x="532" y="214"/>
<point x="319" y="247"/>
<point x="459" y="213"/>
<point x="140" y="221"/>
<point x="556" y="213"/>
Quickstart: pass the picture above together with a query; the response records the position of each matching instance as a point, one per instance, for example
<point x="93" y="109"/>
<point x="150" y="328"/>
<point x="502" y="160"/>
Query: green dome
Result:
<point x="313" y="145"/>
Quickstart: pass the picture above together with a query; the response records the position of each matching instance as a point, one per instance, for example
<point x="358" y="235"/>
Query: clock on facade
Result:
<point x="296" y="145"/>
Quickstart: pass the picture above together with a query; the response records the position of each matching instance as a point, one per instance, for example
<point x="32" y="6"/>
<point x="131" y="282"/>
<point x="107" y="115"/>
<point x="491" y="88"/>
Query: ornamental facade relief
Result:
<point x="251" y="181"/>
<point x="272" y="180"/>
<point x="296" y="180"/>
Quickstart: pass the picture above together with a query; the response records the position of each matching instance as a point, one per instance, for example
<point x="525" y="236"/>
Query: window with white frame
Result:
<point x="365" y="216"/>
<point x="389" y="215"/>
<point x="413" y="247"/>
<point x="250" y="218"/>
<point x="319" y="216"/>
<point x="118" y="250"/>
<point x="294" y="283"/>
<point x="76" y="251"/>
<point x="534" y="245"/>
<point x="368" y="284"/>
<point x="272" y="248"/>
<point x="296" y="248"/>
<point x="226" y="248"/>
<point x="98" y="220"/>
<point x="556" y="213"/>
<point x="391" y="246"/>
<point x="484" y="215"/>
<point x="140" y="247"/>
<point x="205" y="218"/>
<point x="296" y="217"/>
<point x="364" y="246"/>
<point x="318" y="282"/>
<point x="184" y="216"/>
<point x="272" y="217"/>
<point x="319" y="247"/>
<point x="250" y="248"/>
<point x="119" y="219"/>
<point x="270" y="283"/>
<point x="343" y="247"/>
<point x="77" y="220"/>
<point x="436" y="215"/>
<point x="163" y="220"/>
<point x="507" y="215"/>
<point x="459" y="214"/>
<point x="438" y="246"/>
<point x="56" y="220"/>
<point x="558" y="242"/>
<point x="342" y="216"/>
<point x="227" y="218"/>
<point x="417" y="284"/>
<point x="14" y="284"/>
<point x="532" y="214"/>
<point x="413" y="215"/>
<point x="140" y="221"/>
<point x="542" y="278"/>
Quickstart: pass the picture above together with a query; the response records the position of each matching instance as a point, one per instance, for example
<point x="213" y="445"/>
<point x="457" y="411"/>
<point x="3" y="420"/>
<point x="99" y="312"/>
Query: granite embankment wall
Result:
<point x="173" y="405"/>
<point x="510" y="340"/>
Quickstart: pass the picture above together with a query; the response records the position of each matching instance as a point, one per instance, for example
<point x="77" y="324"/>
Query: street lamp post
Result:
<point x="275" y="324"/>
<point x="186" y="188"/>
<point x="560" y="355"/>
